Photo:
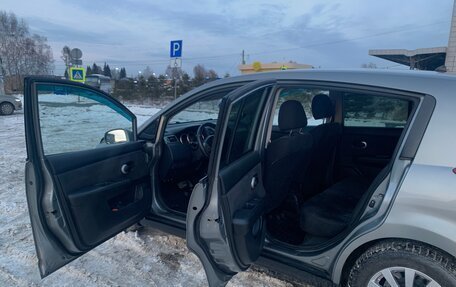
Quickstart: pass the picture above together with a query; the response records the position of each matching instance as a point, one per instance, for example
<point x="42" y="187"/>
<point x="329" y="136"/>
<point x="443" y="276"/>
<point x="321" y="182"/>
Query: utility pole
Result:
<point x="243" y="57"/>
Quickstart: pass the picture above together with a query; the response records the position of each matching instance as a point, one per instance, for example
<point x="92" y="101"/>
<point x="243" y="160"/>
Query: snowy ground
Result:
<point x="144" y="258"/>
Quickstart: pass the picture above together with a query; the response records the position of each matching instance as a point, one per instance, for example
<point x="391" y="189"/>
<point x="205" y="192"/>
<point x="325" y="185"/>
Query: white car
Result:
<point x="9" y="104"/>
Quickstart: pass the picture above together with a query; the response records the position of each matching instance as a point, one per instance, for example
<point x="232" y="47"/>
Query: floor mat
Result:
<point x="285" y="227"/>
<point x="176" y="198"/>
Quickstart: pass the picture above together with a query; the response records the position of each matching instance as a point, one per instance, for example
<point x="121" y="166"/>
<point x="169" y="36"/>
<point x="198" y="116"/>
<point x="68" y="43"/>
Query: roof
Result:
<point x="423" y="59"/>
<point x="425" y="82"/>
<point x="274" y="66"/>
<point x="98" y="76"/>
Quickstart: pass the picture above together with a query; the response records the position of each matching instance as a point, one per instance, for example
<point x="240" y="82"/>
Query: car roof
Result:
<point x="415" y="81"/>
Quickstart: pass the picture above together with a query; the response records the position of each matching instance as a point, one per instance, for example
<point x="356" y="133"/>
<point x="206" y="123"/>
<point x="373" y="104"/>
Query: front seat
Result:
<point x="286" y="153"/>
<point x="326" y="136"/>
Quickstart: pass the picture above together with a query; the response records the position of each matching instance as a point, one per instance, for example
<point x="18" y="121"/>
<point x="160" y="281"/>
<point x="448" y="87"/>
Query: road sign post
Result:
<point x="175" y="53"/>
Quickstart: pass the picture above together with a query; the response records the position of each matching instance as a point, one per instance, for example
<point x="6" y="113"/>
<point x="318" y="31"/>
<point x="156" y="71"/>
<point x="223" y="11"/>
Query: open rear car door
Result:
<point x="87" y="175"/>
<point x="225" y="226"/>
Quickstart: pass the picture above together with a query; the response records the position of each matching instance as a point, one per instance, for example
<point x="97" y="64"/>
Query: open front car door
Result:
<point x="87" y="176"/>
<point x="225" y="226"/>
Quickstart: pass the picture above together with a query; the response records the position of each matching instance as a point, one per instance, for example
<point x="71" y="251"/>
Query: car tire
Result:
<point x="6" y="109"/>
<point x="396" y="260"/>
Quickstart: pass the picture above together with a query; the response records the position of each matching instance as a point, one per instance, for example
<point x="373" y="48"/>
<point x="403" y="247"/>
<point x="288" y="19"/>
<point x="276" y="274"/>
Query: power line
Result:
<point x="316" y="44"/>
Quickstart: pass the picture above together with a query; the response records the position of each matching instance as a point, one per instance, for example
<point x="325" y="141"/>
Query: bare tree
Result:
<point x="199" y="75"/>
<point x="147" y="72"/>
<point x="174" y="73"/>
<point x="22" y="53"/>
<point x="212" y="75"/>
<point x="66" y="57"/>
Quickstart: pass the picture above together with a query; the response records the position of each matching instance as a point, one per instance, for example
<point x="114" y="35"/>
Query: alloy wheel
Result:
<point x="401" y="277"/>
<point x="6" y="109"/>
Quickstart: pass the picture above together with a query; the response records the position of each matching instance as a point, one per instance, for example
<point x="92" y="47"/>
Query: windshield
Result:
<point x="204" y="110"/>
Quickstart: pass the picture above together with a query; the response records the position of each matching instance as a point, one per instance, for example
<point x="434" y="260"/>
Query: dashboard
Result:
<point x="182" y="156"/>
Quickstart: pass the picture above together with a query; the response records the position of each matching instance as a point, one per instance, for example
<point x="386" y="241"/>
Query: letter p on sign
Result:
<point x="176" y="49"/>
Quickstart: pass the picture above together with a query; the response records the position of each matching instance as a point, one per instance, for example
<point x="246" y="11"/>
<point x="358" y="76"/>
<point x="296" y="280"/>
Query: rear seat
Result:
<point x="330" y="212"/>
<point x="318" y="176"/>
<point x="329" y="207"/>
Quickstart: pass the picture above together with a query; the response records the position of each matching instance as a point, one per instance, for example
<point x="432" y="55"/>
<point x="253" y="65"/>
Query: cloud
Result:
<point x="136" y="33"/>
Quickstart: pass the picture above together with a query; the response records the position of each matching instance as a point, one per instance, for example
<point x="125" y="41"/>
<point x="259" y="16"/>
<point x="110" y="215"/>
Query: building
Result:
<point x="432" y="59"/>
<point x="256" y="67"/>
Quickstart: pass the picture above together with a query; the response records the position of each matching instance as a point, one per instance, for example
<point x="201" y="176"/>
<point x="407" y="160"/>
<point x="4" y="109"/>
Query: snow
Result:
<point x="143" y="258"/>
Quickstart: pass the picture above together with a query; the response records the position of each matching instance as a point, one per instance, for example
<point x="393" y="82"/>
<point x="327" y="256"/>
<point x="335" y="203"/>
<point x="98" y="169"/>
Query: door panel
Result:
<point x="366" y="150"/>
<point x="225" y="227"/>
<point x="100" y="197"/>
<point x="81" y="189"/>
<point x="245" y="202"/>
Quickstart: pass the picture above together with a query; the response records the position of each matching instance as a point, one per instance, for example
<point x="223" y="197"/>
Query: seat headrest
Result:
<point x="322" y="107"/>
<point x="292" y="116"/>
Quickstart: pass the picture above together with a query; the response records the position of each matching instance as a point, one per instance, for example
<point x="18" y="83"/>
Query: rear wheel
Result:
<point x="403" y="264"/>
<point x="6" y="108"/>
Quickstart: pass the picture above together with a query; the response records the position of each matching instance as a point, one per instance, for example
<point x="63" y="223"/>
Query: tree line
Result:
<point x="149" y="87"/>
<point x="21" y="52"/>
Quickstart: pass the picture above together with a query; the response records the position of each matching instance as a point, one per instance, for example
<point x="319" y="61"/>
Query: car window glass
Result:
<point x="362" y="110"/>
<point x="242" y="126"/>
<point x="304" y="96"/>
<point x="76" y="119"/>
<point x="206" y="109"/>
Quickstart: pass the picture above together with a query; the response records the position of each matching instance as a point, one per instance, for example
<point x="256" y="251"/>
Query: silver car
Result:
<point x="348" y="176"/>
<point x="9" y="104"/>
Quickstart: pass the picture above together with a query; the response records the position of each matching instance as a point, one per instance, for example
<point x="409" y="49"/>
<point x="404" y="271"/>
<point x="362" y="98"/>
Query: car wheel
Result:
<point x="6" y="109"/>
<point x="403" y="263"/>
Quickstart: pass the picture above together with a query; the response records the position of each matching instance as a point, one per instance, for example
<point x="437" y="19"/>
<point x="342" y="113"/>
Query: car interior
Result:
<point x="327" y="153"/>
<point x="187" y="142"/>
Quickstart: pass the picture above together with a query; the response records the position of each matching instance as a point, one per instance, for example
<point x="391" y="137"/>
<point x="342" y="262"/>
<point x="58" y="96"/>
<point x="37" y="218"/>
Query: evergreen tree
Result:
<point x="107" y="70"/>
<point x="123" y="73"/>
<point x="66" y="74"/>
<point x="88" y="71"/>
<point x="152" y="81"/>
<point x="96" y="69"/>
<point x="185" y="84"/>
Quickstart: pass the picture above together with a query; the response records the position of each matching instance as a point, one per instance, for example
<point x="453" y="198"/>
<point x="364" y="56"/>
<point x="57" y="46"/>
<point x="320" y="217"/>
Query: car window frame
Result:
<point x="259" y="129"/>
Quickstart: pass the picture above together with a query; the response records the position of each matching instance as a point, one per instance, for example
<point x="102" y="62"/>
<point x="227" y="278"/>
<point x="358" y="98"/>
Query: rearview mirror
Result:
<point x="116" y="136"/>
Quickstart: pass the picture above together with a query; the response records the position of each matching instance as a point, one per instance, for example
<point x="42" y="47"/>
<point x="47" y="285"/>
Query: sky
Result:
<point x="326" y="34"/>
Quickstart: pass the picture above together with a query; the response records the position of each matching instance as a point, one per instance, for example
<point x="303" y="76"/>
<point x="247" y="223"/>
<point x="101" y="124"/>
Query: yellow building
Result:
<point x="256" y="67"/>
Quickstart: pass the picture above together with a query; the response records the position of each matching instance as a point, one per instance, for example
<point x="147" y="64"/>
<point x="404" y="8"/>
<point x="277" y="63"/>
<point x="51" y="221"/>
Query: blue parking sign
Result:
<point x="175" y="49"/>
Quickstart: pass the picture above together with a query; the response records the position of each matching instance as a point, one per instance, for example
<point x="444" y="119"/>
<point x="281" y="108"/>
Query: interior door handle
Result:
<point x="125" y="168"/>
<point x="360" y="145"/>
<point x="254" y="182"/>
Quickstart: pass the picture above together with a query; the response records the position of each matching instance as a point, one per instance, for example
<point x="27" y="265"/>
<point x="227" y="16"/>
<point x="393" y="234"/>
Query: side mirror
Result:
<point x="117" y="136"/>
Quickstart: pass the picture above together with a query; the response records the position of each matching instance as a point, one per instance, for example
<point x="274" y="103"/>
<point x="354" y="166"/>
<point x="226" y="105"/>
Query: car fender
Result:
<point x="422" y="211"/>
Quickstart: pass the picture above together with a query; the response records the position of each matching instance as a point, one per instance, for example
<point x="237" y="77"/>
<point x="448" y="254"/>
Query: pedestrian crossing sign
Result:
<point x="77" y="74"/>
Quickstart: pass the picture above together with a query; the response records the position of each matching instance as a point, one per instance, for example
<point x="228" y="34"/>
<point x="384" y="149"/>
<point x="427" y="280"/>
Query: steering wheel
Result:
<point x="205" y="136"/>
